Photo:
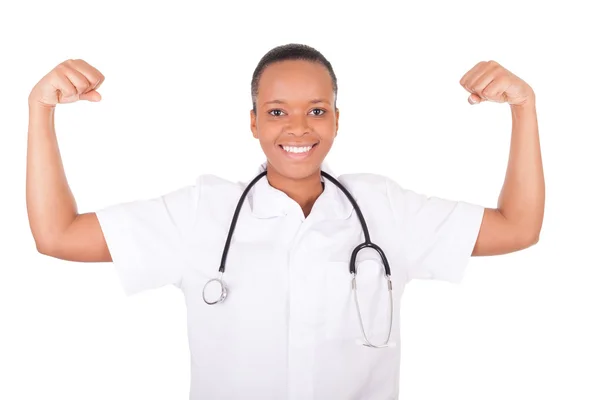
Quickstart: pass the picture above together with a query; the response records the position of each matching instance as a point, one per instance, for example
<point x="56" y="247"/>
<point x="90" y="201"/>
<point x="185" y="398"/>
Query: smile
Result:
<point x="298" y="152"/>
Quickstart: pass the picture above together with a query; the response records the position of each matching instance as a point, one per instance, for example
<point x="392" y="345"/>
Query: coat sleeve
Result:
<point x="438" y="235"/>
<point x="148" y="239"/>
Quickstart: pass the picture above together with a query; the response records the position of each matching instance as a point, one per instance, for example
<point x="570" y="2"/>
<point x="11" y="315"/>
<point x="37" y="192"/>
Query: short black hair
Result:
<point x="291" y="51"/>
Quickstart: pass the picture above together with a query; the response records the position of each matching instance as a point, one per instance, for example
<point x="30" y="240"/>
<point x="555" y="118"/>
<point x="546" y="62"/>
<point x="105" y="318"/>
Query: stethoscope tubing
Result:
<point x="352" y="264"/>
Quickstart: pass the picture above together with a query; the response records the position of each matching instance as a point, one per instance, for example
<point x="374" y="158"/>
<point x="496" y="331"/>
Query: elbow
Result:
<point x="45" y="246"/>
<point x="533" y="240"/>
<point x="529" y="238"/>
<point x="47" y="239"/>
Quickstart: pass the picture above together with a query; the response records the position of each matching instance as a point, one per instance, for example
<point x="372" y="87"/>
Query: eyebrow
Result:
<point x="314" y="101"/>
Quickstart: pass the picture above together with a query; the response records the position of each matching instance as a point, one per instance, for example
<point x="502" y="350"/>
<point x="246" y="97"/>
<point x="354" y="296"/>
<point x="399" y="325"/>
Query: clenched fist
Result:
<point x="70" y="81"/>
<point x="490" y="81"/>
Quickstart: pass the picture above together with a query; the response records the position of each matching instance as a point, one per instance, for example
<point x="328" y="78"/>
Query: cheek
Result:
<point x="268" y="133"/>
<point x="324" y="147"/>
<point x="271" y="131"/>
<point x="267" y="146"/>
<point x="325" y="127"/>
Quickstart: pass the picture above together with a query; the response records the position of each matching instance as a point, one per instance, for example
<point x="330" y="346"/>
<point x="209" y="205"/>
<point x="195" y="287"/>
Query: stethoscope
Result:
<point x="367" y="244"/>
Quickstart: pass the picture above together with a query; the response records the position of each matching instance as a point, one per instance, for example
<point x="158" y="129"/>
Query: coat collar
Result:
<point x="267" y="202"/>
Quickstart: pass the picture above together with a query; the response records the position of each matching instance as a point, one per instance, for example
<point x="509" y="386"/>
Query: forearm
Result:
<point x="51" y="207"/>
<point x="522" y="197"/>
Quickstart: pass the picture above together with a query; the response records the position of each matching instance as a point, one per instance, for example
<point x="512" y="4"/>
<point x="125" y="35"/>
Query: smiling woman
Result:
<point x="294" y="90"/>
<point x="310" y="285"/>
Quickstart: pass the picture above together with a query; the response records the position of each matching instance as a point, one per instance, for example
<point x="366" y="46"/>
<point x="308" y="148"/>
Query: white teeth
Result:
<point x="295" y="149"/>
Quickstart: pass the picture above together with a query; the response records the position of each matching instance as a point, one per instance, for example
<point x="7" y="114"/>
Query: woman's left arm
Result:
<point x="517" y="221"/>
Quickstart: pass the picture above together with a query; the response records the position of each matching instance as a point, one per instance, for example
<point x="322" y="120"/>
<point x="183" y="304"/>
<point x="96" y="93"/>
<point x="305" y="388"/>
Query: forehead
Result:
<point x="295" y="79"/>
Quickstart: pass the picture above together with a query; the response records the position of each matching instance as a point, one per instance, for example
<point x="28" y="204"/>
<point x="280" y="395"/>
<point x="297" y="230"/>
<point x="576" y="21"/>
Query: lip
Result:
<point x="298" y="156"/>
<point x="299" y="144"/>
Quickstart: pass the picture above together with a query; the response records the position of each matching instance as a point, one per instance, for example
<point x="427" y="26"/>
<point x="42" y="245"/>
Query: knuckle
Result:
<point x="68" y="92"/>
<point x="62" y="69"/>
<point x="57" y="72"/>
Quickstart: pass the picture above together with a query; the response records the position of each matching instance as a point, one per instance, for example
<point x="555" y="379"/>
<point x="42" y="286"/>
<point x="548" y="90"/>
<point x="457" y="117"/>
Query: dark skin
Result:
<point x="290" y="93"/>
<point x="60" y="231"/>
<point x="295" y="107"/>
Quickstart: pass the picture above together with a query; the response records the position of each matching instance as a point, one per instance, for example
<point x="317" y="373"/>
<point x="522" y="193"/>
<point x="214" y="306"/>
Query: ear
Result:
<point x="253" y="124"/>
<point x="337" y="118"/>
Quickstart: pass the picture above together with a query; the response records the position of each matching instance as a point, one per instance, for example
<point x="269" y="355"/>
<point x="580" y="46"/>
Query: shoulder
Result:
<point x="371" y="191"/>
<point x="364" y="180"/>
<point x="210" y="183"/>
<point x="369" y="185"/>
<point x="204" y="187"/>
<point x="376" y="190"/>
<point x="216" y="192"/>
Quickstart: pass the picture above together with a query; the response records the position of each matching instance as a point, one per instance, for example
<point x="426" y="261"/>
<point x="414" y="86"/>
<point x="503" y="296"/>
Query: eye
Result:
<point x="321" y="111"/>
<point x="277" y="112"/>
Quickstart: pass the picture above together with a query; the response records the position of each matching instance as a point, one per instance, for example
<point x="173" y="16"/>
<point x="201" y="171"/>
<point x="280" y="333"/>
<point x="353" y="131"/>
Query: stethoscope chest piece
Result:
<point x="215" y="291"/>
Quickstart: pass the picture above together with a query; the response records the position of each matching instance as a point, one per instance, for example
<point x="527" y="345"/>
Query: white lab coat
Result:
<point x="288" y="328"/>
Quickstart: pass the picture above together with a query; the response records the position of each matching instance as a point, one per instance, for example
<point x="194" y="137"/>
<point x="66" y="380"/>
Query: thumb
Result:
<point x="475" y="99"/>
<point x="92" y="95"/>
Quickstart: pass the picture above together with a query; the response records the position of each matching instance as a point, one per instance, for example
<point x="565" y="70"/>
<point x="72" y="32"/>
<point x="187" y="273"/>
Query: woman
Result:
<point x="288" y="325"/>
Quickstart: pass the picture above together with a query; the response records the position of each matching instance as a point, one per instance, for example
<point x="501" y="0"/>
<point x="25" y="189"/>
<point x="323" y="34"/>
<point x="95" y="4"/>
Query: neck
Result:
<point x="303" y="191"/>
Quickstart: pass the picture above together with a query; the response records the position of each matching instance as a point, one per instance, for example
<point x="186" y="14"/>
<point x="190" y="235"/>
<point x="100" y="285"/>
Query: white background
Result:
<point x="176" y="104"/>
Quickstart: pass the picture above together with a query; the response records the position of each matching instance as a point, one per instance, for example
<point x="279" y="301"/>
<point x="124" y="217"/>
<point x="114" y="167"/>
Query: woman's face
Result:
<point x="295" y="119"/>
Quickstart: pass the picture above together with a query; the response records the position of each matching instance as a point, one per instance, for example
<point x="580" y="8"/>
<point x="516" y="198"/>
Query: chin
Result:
<point x="296" y="171"/>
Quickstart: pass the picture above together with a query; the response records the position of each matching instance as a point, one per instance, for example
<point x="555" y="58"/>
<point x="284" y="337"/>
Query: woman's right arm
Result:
<point x="57" y="228"/>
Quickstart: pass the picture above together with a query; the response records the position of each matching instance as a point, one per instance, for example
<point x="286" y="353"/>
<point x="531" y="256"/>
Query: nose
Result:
<point x="298" y="125"/>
